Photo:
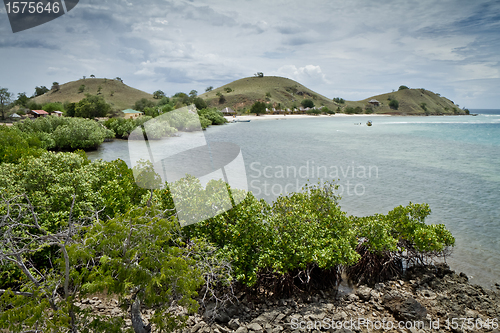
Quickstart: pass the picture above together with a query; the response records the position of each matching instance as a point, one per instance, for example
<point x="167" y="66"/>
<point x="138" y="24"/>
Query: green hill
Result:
<point x="411" y="102"/>
<point x="286" y="93"/>
<point x="282" y="92"/>
<point x="114" y="92"/>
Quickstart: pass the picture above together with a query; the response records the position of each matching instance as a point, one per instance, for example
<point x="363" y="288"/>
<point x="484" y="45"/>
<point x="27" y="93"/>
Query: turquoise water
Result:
<point x="452" y="163"/>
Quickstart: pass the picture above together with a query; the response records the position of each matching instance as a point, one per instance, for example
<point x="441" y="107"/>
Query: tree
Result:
<point x="119" y="79"/>
<point x="200" y="103"/>
<point x="92" y="76"/>
<point x="394" y="104"/>
<point x="403" y="88"/>
<point x="22" y="99"/>
<point x="259" y="74"/>
<point x="55" y="86"/>
<point x="258" y="108"/>
<point x="210" y="88"/>
<point x="339" y="100"/>
<point x="193" y="93"/>
<point x="307" y="103"/>
<point x="40" y="90"/>
<point x="99" y="90"/>
<point x="81" y="88"/>
<point x="222" y="99"/>
<point x="158" y="94"/>
<point x="143" y="103"/>
<point x="5" y="99"/>
<point x="91" y="107"/>
<point x="53" y="106"/>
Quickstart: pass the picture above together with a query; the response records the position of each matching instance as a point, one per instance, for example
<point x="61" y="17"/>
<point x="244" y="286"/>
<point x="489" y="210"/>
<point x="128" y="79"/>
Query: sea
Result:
<point x="451" y="163"/>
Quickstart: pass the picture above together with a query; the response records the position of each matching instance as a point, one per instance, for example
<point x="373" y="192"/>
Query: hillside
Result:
<point x="279" y="90"/>
<point x="116" y="93"/>
<point x="286" y="93"/>
<point x="411" y="102"/>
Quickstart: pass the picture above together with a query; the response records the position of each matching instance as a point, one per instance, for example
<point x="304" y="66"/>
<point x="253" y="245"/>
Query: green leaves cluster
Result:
<point x="65" y="133"/>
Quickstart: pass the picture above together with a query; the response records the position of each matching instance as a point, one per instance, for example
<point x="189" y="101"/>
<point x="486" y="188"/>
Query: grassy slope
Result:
<point x="410" y="101"/>
<point x="248" y="90"/>
<point x="124" y="97"/>
<point x="285" y="91"/>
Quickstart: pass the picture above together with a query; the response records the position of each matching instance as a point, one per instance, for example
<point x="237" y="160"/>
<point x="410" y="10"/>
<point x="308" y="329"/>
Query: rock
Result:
<point x="242" y="329"/>
<point x="254" y="327"/>
<point x="234" y="324"/>
<point x="411" y="310"/>
<point x="352" y="298"/>
<point x="364" y="293"/>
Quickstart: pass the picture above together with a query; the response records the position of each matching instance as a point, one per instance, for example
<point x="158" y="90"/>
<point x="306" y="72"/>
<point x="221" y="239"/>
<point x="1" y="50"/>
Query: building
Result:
<point x="374" y="102"/>
<point x="131" y="114"/>
<point x="57" y="113"/>
<point x="228" y="112"/>
<point x="38" y="113"/>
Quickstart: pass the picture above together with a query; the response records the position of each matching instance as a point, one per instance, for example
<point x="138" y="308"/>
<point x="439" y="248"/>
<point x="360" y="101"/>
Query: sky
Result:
<point x="352" y="49"/>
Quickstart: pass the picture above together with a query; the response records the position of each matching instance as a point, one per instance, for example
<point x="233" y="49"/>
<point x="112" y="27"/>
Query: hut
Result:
<point x="228" y="112"/>
<point x="131" y="114"/>
<point x="57" y="113"/>
<point x="38" y="113"/>
<point x="374" y="102"/>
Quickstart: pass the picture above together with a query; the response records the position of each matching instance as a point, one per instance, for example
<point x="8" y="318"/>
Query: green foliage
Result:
<point x="15" y="144"/>
<point x="222" y="99"/>
<point x="66" y="133"/>
<point x="41" y="90"/>
<point x="351" y="110"/>
<point x="5" y="97"/>
<point x="403" y="88"/>
<point x="258" y="108"/>
<point x="91" y="107"/>
<point x="326" y="110"/>
<point x="142" y="258"/>
<point x="209" y="88"/>
<point x="53" y="106"/>
<point x="121" y="126"/>
<point x="394" y="104"/>
<point x="143" y="103"/>
<point x="314" y="111"/>
<point x="339" y="100"/>
<point x="369" y="109"/>
<point x="216" y="117"/>
<point x="200" y="103"/>
<point x="22" y="99"/>
<point x="158" y="94"/>
<point x="307" y="103"/>
<point x="193" y="93"/>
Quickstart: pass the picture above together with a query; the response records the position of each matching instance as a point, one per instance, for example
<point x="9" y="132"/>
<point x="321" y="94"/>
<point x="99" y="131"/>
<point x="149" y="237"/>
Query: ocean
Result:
<point x="450" y="162"/>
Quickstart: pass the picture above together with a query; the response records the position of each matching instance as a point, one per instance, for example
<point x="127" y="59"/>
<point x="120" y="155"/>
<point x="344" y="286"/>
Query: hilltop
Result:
<point x="280" y="91"/>
<point x="114" y="92"/>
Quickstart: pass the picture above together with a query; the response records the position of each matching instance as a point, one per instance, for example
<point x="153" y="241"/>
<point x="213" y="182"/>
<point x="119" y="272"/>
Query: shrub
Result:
<point x="394" y="104"/>
<point x="339" y="100"/>
<point x="213" y="115"/>
<point x="403" y="88"/>
<point x="307" y="103"/>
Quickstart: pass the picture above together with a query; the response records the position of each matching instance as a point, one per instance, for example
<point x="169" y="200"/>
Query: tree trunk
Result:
<point x="137" y="323"/>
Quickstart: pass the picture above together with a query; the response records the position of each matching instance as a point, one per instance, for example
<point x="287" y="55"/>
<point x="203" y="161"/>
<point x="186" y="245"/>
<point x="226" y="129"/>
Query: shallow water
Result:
<point x="452" y="163"/>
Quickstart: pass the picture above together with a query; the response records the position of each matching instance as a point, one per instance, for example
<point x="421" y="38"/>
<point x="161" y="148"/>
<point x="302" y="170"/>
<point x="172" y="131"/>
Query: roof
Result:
<point x="228" y="110"/>
<point x="39" y="112"/>
<point x="58" y="112"/>
<point x="131" y="111"/>
<point x="373" y="100"/>
<point x="15" y="115"/>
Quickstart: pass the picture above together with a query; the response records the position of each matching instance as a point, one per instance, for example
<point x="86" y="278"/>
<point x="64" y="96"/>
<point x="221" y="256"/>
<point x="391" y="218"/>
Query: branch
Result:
<point x="17" y="293"/>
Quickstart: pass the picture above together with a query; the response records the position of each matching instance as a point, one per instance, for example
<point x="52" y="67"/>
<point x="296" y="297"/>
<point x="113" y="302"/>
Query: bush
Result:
<point x="403" y="88"/>
<point x="213" y="115"/>
<point x="307" y="103"/>
<point x="258" y="108"/>
<point x="339" y="100"/>
<point x="66" y="133"/>
<point x="394" y="104"/>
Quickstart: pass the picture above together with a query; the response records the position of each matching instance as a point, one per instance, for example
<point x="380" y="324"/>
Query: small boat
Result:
<point x="474" y="114"/>
<point x="369" y="123"/>
<point x="241" y="121"/>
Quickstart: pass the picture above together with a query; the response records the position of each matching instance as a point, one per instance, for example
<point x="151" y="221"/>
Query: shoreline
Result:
<point x="299" y="116"/>
<point x="426" y="299"/>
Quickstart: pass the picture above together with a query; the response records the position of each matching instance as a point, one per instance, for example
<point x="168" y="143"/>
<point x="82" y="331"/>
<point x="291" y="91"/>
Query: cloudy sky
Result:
<point x="347" y="48"/>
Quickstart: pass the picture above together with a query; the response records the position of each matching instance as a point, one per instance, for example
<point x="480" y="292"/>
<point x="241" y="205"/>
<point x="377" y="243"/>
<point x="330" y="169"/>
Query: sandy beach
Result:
<point x="298" y="116"/>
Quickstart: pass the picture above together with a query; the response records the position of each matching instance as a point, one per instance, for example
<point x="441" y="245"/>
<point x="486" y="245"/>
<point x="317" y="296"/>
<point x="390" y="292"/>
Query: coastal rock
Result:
<point x="364" y="293"/>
